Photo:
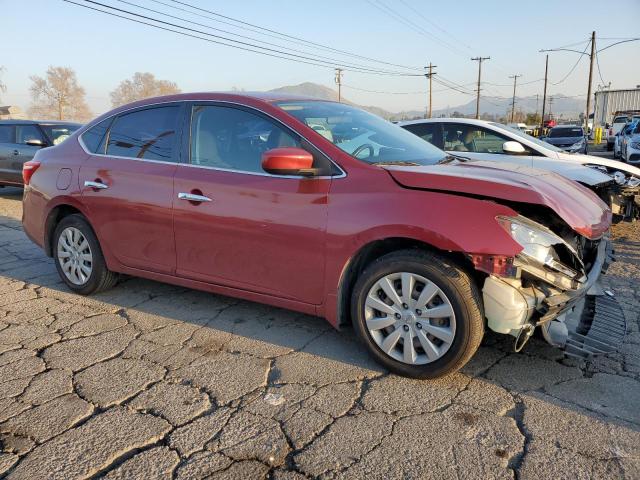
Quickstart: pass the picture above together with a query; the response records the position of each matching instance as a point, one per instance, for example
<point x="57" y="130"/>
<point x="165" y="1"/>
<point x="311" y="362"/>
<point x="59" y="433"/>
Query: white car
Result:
<point x="483" y="140"/>
<point x="618" y="124"/>
<point x="631" y="149"/>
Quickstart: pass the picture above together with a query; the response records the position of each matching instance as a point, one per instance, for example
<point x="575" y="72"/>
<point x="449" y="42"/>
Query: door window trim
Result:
<point x="186" y="142"/>
<point x="186" y="123"/>
<point x="177" y="154"/>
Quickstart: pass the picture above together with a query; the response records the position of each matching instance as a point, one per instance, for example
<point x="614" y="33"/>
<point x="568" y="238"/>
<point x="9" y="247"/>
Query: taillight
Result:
<point x="28" y="169"/>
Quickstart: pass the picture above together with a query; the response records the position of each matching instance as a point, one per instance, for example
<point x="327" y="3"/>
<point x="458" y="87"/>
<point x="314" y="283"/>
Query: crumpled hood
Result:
<point x="606" y="162"/>
<point x="577" y="205"/>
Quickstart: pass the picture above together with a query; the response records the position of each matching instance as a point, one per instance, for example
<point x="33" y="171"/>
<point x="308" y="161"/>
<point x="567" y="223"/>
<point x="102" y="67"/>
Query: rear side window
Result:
<point x="94" y="138"/>
<point x="7" y="134"/>
<point x="148" y="134"/>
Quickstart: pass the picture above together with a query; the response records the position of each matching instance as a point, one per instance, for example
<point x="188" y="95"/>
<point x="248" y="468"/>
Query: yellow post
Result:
<point x="598" y="136"/>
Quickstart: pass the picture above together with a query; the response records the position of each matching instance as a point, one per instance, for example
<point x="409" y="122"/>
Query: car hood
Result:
<point x="605" y="162"/>
<point x="578" y="206"/>
<point x="572" y="170"/>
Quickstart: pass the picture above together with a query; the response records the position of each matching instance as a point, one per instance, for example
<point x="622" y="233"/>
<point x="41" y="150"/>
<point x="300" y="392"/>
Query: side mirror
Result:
<point x="288" y="161"/>
<point x="513" y="148"/>
<point x="34" y="142"/>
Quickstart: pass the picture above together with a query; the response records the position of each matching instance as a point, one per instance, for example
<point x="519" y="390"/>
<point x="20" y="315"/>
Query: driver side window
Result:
<point x="234" y="139"/>
<point x="470" y="138"/>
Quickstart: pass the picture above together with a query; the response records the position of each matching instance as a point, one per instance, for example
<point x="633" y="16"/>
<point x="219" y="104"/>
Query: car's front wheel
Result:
<point x="78" y="257"/>
<point x="419" y="314"/>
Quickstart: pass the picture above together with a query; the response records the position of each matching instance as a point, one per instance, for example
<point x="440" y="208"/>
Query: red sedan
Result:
<point x="322" y="208"/>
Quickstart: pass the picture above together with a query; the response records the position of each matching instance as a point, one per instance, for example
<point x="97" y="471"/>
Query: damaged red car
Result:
<point x="326" y="209"/>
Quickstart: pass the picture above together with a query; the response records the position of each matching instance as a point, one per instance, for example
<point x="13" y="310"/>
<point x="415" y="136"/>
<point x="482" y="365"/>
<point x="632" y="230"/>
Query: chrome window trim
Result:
<point x="343" y="174"/>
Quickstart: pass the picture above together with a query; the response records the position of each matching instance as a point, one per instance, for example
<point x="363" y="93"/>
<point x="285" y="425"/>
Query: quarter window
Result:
<point x="234" y="139"/>
<point x="148" y="134"/>
<point x="469" y="138"/>
<point x="94" y="138"/>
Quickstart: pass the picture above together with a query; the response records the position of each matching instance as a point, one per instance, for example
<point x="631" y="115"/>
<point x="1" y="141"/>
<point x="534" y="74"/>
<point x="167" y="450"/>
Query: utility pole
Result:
<point x="339" y="82"/>
<point x="544" y="95"/>
<point x="513" y="102"/>
<point x="429" y="75"/>
<point x="592" y="57"/>
<point x="479" y="60"/>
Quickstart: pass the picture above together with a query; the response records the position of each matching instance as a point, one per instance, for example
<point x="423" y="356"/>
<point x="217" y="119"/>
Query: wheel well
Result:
<point x="375" y="250"/>
<point x="55" y="216"/>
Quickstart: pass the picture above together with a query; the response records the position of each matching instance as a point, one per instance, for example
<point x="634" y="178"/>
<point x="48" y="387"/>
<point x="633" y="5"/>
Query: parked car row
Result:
<point x="616" y="183"/>
<point x="21" y="139"/>
<point x="627" y="143"/>
<point x="326" y="209"/>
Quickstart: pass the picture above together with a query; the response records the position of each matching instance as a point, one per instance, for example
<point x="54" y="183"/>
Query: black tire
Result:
<point x="609" y="146"/>
<point x="101" y="278"/>
<point x="456" y="284"/>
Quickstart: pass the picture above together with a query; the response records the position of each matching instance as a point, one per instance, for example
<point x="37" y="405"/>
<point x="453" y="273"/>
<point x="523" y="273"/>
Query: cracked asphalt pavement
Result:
<point x="154" y="381"/>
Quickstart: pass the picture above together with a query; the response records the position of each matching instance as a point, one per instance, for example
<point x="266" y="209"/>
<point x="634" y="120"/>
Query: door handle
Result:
<point x="192" y="197"/>
<point x="16" y="152"/>
<point x="96" y="185"/>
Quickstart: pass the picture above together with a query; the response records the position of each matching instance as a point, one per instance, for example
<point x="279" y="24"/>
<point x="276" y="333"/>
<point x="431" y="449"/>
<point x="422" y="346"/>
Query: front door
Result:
<point x="127" y="186"/>
<point x="247" y="229"/>
<point x="479" y="143"/>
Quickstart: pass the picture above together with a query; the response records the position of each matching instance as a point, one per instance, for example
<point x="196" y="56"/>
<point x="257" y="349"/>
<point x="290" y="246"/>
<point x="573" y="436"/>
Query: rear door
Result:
<point x="252" y="230"/>
<point x="479" y="143"/>
<point x="127" y="185"/>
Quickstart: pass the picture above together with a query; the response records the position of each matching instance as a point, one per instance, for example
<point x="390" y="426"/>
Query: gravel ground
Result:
<point x="154" y="381"/>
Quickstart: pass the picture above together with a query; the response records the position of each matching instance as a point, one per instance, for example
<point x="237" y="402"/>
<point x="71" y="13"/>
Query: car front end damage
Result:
<point x="553" y="283"/>
<point x="622" y="194"/>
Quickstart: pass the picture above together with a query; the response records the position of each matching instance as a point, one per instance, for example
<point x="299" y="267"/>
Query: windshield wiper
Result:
<point x="452" y="158"/>
<point x="402" y="163"/>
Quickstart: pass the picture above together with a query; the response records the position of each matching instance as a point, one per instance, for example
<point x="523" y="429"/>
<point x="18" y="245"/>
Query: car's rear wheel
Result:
<point x="79" y="259"/>
<point x="419" y="314"/>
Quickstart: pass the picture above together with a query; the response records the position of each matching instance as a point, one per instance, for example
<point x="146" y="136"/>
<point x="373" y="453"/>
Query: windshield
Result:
<point x="620" y="119"/>
<point x="566" y="132"/>
<point x="59" y="133"/>
<point x="363" y="135"/>
<point x="528" y="137"/>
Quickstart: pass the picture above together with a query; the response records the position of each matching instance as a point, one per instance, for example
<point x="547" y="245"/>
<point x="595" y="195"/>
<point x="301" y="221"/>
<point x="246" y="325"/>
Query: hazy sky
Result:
<point x="104" y="50"/>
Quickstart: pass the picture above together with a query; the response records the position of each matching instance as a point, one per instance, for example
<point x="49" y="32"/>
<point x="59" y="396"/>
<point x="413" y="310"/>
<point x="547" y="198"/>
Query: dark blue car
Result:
<point x="570" y="138"/>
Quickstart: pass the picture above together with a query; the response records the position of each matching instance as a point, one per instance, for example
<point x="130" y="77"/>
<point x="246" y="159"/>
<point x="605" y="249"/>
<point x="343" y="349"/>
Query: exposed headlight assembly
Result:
<point x="619" y="177"/>
<point x="537" y="243"/>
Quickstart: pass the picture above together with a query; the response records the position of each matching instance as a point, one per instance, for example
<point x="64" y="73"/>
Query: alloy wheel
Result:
<point x="410" y="318"/>
<point x="74" y="255"/>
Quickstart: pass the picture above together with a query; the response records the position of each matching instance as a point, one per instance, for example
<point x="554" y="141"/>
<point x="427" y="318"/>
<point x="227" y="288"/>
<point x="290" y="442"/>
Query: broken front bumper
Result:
<point x="583" y="320"/>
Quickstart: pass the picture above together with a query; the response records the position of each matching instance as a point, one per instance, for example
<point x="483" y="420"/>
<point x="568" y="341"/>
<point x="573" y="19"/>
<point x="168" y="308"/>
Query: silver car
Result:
<point x="21" y="139"/>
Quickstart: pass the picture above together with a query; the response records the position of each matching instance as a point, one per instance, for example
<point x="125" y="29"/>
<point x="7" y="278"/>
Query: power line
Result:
<point x="412" y="25"/>
<point x="240" y="44"/>
<point x="332" y="60"/>
<point x="618" y="43"/>
<point x="574" y="66"/>
<point x="271" y="33"/>
<point x="599" y="71"/>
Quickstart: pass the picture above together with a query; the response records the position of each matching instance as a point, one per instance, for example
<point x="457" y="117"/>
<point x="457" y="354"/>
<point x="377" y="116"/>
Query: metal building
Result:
<point x="608" y="102"/>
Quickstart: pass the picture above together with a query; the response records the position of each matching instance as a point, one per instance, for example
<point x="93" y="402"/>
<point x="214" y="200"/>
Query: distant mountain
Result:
<point x="561" y="106"/>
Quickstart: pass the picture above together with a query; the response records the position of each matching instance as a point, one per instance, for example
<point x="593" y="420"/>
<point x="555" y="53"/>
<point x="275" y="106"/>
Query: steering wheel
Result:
<point x="361" y="148"/>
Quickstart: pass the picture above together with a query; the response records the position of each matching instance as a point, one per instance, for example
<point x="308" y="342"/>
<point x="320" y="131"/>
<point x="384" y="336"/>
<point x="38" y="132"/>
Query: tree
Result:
<point x="58" y="96"/>
<point x="141" y="85"/>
